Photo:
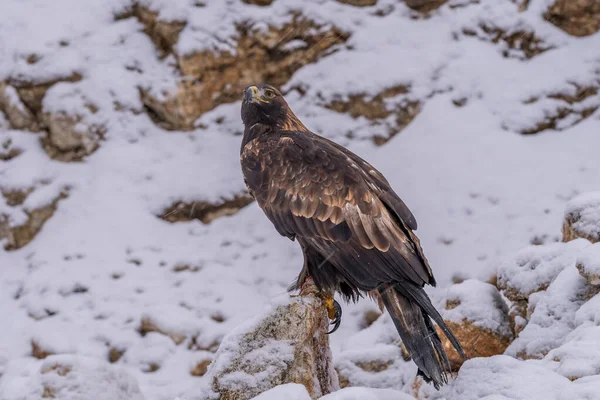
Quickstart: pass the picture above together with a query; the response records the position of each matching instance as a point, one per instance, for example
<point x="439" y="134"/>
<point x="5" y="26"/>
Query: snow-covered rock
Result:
<point x="289" y="344"/>
<point x="582" y="218"/>
<point x="588" y="264"/>
<point x="478" y="316"/>
<point x="532" y="270"/>
<point x="578" y="18"/>
<point x="67" y="377"/>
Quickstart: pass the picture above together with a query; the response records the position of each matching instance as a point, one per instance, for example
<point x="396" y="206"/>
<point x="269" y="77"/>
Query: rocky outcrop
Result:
<point x="67" y="377"/>
<point x="32" y="93"/>
<point x="205" y="211"/>
<point x="164" y="34"/>
<point x="288" y="345"/>
<point x="588" y="264"/>
<point x="576" y="17"/>
<point x="377" y="109"/>
<point x="18" y="115"/>
<point x="572" y="105"/>
<point x="424" y="5"/>
<point x="520" y="44"/>
<point x="69" y="137"/>
<point x="261" y="55"/>
<point x="20" y="235"/>
<point x="478" y="316"/>
<point x="532" y="270"/>
<point x="359" y="3"/>
<point x="582" y="218"/>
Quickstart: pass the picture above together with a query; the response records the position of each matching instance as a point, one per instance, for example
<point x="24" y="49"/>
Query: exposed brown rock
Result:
<point x="115" y="354"/>
<point x="376" y="110"/>
<point x="38" y="352"/>
<point x="7" y="151"/>
<point x="204" y="211"/>
<point x="576" y="17"/>
<point x="19" y="116"/>
<point x="359" y="3"/>
<point x="293" y="345"/>
<point x="210" y="79"/>
<point x="15" y="197"/>
<point x="148" y="325"/>
<point x="32" y="93"/>
<point x="476" y="342"/>
<point x="523" y="45"/>
<point x="258" y="2"/>
<point x="19" y="236"/>
<point x="567" y="109"/>
<point x="200" y="368"/>
<point x="69" y="137"/>
<point x="477" y="315"/>
<point x="164" y="34"/>
<point x="424" y="5"/>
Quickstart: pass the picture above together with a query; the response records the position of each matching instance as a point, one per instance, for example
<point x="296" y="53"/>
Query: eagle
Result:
<point x="356" y="234"/>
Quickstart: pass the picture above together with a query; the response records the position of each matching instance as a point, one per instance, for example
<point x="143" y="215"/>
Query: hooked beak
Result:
<point x="253" y="95"/>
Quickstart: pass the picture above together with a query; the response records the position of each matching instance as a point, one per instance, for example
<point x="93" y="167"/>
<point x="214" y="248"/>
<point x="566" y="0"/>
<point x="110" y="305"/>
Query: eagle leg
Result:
<point x="334" y="312"/>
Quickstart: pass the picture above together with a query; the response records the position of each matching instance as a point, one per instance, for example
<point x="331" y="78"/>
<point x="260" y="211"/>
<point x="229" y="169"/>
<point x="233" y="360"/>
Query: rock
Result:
<point x="520" y="44"/>
<point x="576" y="17"/>
<point x="67" y="377"/>
<point x="572" y="106"/>
<point x="532" y="270"/>
<point x="424" y="5"/>
<point x="147" y="325"/>
<point x="32" y="93"/>
<point x="551" y="315"/>
<point x="259" y="2"/>
<point x="205" y="211"/>
<point x="8" y="150"/>
<point x="588" y="264"/>
<point x="377" y="110"/>
<point x="288" y="345"/>
<point x="359" y="3"/>
<point x="200" y="368"/>
<point x="19" y="116"/>
<point x="19" y="236"/>
<point x="38" y="352"/>
<point x="478" y="316"/>
<point x="261" y="55"/>
<point x="582" y="218"/>
<point x="69" y="137"/>
<point x="164" y="34"/>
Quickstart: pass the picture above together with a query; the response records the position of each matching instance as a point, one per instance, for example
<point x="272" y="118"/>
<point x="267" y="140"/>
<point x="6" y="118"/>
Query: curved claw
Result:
<point x="337" y="317"/>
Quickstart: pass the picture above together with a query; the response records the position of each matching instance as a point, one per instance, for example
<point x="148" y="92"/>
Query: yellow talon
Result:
<point x="334" y="311"/>
<point x="329" y="304"/>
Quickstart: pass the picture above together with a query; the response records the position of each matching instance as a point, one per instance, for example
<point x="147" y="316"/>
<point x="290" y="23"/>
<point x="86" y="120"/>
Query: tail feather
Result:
<point x="411" y="311"/>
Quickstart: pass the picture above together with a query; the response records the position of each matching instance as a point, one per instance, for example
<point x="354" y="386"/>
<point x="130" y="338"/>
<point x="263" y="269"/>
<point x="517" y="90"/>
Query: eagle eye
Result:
<point x="269" y="93"/>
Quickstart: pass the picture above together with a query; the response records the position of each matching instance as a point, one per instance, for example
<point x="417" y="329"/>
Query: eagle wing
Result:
<point x="337" y="203"/>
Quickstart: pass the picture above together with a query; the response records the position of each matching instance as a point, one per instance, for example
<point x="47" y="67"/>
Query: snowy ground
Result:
<point x="479" y="189"/>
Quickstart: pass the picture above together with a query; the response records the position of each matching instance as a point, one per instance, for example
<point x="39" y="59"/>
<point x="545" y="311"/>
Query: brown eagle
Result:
<point x="355" y="232"/>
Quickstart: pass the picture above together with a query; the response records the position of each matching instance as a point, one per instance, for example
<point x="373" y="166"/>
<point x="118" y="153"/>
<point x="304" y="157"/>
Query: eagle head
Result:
<point x="263" y="104"/>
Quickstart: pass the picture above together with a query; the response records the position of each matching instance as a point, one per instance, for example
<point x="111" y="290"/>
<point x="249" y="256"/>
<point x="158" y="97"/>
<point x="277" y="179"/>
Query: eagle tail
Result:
<point x="412" y="311"/>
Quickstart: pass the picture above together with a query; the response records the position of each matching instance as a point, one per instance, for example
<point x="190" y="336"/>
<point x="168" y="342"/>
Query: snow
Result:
<point x="67" y="377"/>
<point x="479" y="190"/>
<point x="293" y="391"/>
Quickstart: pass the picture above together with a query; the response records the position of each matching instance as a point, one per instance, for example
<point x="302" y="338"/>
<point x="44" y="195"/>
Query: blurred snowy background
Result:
<point x="127" y="236"/>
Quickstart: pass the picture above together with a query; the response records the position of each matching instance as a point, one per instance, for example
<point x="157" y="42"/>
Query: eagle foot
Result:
<point x="334" y="312"/>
